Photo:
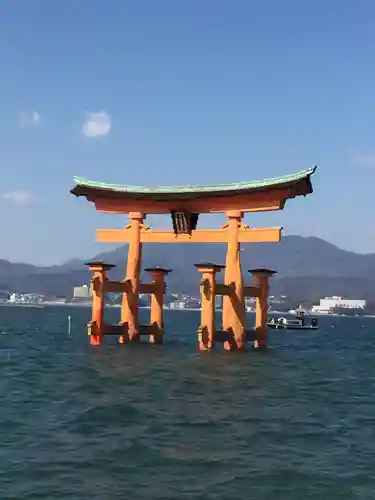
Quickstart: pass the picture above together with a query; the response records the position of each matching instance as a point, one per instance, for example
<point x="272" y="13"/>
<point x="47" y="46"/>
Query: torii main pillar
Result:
<point x="234" y="305"/>
<point x="130" y="301"/>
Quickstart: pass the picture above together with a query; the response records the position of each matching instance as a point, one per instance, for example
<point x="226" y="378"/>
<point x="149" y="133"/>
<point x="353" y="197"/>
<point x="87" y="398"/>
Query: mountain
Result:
<point x="307" y="268"/>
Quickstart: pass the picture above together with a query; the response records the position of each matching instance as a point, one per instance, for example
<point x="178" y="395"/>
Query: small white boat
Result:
<point x="297" y="323"/>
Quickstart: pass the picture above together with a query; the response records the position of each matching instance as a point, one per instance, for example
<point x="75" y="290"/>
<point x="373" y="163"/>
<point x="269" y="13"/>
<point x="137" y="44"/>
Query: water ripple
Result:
<point x="297" y="421"/>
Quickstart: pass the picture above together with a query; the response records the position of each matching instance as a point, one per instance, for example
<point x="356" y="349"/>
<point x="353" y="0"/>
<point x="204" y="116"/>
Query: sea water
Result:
<point x="167" y="422"/>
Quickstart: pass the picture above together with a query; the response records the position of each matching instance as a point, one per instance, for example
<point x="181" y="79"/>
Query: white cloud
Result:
<point x="97" y="124"/>
<point x="28" y="118"/>
<point x="18" y="197"/>
<point x="363" y="159"/>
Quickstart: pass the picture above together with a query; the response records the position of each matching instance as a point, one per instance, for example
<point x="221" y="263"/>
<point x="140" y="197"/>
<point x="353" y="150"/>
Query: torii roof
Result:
<point x="296" y="184"/>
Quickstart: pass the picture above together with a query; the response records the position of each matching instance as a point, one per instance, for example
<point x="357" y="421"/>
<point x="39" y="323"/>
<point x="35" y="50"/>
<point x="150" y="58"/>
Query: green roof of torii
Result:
<point x="85" y="187"/>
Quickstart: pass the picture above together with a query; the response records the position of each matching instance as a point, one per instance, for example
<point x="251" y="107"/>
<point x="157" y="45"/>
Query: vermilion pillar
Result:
<point x="234" y="305"/>
<point x="130" y="300"/>
<point x="158" y="275"/>
<point x="207" y="329"/>
<point x="96" y="326"/>
<point x="261" y="279"/>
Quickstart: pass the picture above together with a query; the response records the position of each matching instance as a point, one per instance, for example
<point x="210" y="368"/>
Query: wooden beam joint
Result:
<point x="225" y="290"/>
<point x="149" y="288"/>
<point x="251" y="291"/>
<point x="118" y="286"/>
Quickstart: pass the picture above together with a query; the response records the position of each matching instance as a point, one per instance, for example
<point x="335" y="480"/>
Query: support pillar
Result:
<point x="234" y="305"/>
<point x="130" y="300"/>
<point x="96" y="325"/>
<point x="158" y="275"/>
<point x="207" y="329"/>
<point x="261" y="278"/>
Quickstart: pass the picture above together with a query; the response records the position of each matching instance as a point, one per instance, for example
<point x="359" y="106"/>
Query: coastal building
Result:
<point x="82" y="292"/>
<point x="55" y="301"/>
<point x="329" y="305"/>
<point x="250" y="304"/>
<point x="25" y="298"/>
<point x="322" y="310"/>
<point x="341" y="302"/>
<point x="178" y="304"/>
<point x="218" y="301"/>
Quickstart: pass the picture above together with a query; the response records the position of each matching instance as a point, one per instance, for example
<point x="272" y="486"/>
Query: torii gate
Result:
<point x="184" y="204"/>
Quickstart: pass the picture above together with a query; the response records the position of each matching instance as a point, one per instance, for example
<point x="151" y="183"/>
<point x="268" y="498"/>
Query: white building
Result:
<point x="82" y="292"/>
<point x="177" y="305"/>
<point x="250" y="304"/>
<point x="322" y="310"/>
<point x="335" y="302"/>
<point x="13" y="297"/>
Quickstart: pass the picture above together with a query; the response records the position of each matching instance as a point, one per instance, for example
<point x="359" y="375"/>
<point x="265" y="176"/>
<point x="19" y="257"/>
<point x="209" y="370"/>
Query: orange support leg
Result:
<point x="234" y="305"/>
<point x="207" y="329"/>
<point x="261" y="278"/>
<point x="96" y="326"/>
<point x="157" y="300"/>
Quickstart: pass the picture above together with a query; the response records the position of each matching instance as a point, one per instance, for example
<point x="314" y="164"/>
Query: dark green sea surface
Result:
<point x="139" y="422"/>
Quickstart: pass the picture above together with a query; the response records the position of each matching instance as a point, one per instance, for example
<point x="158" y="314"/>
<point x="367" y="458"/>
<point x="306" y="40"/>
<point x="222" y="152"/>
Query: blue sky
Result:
<point x="183" y="91"/>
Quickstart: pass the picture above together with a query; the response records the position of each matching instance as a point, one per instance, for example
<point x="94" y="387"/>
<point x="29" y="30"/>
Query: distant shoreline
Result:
<point x="115" y="306"/>
<point x="69" y="304"/>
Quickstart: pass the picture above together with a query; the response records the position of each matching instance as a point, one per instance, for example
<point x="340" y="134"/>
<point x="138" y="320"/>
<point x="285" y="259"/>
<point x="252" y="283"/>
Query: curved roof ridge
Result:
<point x="244" y="185"/>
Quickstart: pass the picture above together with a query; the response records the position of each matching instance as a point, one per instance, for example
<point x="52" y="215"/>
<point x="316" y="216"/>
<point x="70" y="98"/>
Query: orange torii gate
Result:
<point x="184" y="204"/>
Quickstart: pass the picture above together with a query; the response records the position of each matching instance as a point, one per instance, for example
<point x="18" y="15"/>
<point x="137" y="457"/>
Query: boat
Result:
<point x="297" y="323"/>
<point x="298" y="311"/>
